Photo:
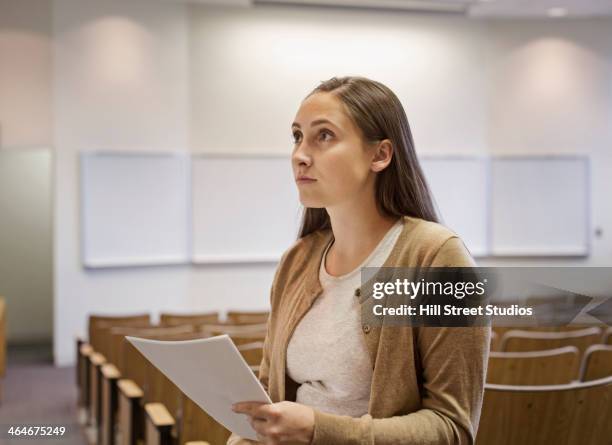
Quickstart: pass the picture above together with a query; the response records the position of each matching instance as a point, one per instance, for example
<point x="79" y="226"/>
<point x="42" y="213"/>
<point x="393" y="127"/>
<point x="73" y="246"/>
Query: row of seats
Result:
<point x="127" y="401"/>
<point x="532" y="357"/>
<point x="548" y="386"/>
<point x="552" y="386"/>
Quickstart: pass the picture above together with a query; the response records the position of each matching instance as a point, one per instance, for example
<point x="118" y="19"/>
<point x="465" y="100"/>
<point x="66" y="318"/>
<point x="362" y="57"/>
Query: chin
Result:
<point x="311" y="202"/>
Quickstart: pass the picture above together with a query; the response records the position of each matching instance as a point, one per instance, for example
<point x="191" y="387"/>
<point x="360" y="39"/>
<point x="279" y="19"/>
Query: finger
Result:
<point x="246" y="407"/>
<point x="258" y="425"/>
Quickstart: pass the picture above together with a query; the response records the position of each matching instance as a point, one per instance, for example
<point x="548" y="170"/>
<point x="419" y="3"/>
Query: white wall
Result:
<point x="122" y="82"/>
<point x="252" y="67"/>
<point x="146" y="75"/>
<point x="551" y="92"/>
<point x="25" y="73"/>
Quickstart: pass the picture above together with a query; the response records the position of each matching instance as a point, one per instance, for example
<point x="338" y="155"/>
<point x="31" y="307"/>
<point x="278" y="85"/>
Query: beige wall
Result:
<point x="25" y="73"/>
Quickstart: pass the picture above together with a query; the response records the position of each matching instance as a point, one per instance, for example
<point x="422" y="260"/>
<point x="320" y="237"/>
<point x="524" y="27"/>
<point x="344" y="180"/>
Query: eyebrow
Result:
<point x="314" y="123"/>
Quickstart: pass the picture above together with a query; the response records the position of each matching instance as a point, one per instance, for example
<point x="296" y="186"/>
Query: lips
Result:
<point x="304" y="179"/>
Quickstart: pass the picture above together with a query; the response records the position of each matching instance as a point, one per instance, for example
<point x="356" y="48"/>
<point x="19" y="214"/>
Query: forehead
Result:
<point x="322" y="106"/>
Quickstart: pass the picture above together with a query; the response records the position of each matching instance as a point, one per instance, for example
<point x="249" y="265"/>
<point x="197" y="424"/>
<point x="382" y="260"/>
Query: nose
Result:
<point x="301" y="156"/>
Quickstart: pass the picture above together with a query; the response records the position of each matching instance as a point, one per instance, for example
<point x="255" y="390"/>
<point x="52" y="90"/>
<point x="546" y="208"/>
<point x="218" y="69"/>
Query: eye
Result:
<point x="325" y="135"/>
<point x="297" y="137"/>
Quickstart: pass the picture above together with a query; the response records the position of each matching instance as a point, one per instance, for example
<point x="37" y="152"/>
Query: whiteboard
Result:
<point x="460" y="186"/>
<point x="245" y="208"/>
<point x="540" y="206"/>
<point x="135" y="209"/>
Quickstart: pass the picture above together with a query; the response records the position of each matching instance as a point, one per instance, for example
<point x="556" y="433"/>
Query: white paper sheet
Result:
<point x="212" y="373"/>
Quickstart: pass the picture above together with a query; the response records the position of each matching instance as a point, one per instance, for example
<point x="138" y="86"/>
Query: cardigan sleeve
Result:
<point x="453" y="363"/>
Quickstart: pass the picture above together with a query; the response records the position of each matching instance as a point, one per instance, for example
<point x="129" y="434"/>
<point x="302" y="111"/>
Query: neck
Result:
<point x="358" y="227"/>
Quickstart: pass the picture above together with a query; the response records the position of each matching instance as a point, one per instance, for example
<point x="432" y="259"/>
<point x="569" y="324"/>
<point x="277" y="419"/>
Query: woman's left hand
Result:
<point x="279" y="423"/>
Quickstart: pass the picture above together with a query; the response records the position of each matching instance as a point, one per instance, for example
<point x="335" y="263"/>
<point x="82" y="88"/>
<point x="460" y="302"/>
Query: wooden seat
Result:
<point x="596" y="363"/>
<point x="167" y="319"/>
<point x="247" y="317"/>
<point x="523" y="341"/>
<point x="573" y="414"/>
<point x="550" y="367"/>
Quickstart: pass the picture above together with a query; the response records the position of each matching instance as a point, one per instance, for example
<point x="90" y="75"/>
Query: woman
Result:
<point x="334" y="378"/>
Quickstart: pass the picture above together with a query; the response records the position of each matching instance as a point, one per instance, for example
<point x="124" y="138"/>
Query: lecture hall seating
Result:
<point x="576" y="413"/>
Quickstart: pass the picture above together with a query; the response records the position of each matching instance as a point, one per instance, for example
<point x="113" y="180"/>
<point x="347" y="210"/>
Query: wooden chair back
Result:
<point x="251" y="352"/>
<point x="523" y="341"/>
<point x="158" y="388"/>
<point x="197" y="425"/>
<point x="98" y="322"/>
<point x="247" y="317"/>
<point x="237" y="330"/>
<point x="131" y="363"/>
<point x="597" y="363"/>
<point x="495" y="340"/>
<point x="573" y="414"/>
<point x="607" y="339"/>
<point x="167" y="319"/>
<point x="550" y="367"/>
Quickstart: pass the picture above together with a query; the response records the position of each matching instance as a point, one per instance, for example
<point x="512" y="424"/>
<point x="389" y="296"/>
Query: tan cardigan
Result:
<point x="427" y="385"/>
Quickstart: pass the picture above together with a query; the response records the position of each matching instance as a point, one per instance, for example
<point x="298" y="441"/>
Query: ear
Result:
<point x="382" y="155"/>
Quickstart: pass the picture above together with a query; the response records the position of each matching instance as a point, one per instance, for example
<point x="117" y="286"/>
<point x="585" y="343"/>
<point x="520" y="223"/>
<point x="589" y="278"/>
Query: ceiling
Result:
<point x="473" y="8"/>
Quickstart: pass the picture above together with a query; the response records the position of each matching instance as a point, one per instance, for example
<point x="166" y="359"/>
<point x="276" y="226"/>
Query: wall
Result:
<point x="26" y="269"/>
<point x="252" y="67"/>
<point x="551" y="92"/>
<point x="25" y="73"/>
<point x="120" y="83"/>
<point x="141" y="75"/>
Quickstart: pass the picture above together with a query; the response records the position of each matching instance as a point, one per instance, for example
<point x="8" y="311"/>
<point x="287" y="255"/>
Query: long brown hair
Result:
<point x="401" y="188"/>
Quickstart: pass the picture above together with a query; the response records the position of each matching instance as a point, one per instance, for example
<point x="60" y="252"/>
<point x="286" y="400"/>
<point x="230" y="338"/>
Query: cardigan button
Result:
<point x="357" y="292"/>
<point x="366" y="328"/>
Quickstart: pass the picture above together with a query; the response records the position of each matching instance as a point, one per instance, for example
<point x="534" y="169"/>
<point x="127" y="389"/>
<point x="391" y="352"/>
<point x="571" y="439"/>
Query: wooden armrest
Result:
<point x="158" y="414"/>
<point x="97" y="359"/>
<point x="86" y="349"/>
<point x="110" y="371"/>
<point x="129" y="389"/>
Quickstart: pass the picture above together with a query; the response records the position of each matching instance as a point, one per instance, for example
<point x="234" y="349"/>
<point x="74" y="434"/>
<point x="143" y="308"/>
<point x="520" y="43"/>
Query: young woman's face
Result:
<point x="331" y="162"/>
